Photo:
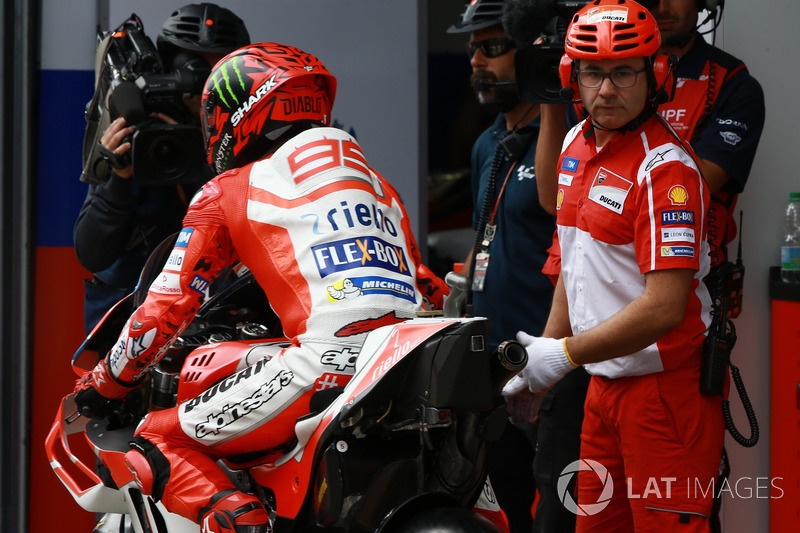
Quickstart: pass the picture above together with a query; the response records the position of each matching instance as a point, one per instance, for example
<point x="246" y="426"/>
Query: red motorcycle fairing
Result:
<point x="94" y="496"/>
<point x="300" y="474"/>
<point x="384" y="348"/>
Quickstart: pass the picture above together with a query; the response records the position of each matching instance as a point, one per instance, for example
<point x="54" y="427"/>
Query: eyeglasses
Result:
<point x="621" y="79"/>
<point x="491" y="47"/>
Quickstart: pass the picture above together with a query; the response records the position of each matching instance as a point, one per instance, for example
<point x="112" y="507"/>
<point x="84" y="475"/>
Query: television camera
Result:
<point x="536" y="65"/>
<point x="131" y="81"/>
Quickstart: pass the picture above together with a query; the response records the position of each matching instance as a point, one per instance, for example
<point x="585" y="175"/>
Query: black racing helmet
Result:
<point x="479" y="14"/>
<point x="201" y="28"/>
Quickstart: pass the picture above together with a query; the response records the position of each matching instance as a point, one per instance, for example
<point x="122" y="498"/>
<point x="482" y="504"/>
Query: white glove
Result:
<point x="522" y="405"/>
<point x="547" y="363"/>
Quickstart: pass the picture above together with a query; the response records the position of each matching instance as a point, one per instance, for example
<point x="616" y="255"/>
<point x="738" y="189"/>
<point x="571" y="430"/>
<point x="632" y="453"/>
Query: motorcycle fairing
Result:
<point x="95" y="497"/>
<point x="395" y="342"/>
<point x="383" y="349"/>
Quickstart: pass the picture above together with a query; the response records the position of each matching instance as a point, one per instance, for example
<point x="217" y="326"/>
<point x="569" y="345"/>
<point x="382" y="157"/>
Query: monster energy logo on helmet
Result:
<point x="224" y="86"/>
<point x="226" y="91"/>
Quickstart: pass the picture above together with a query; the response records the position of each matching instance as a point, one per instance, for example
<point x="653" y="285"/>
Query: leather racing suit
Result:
<point x="330" y="243"/>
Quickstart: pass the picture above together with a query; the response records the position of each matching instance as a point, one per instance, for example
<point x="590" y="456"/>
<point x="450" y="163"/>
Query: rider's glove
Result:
<point x="432" y="288"/>
<point x="547" y="363"/>
<point x="97" y="392"/>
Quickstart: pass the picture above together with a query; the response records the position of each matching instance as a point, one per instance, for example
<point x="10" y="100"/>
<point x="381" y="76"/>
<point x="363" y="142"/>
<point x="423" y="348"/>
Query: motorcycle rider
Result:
<point x="325" y="236"/>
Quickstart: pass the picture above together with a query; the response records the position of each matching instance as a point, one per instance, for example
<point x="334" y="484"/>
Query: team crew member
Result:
<point x="324" y="235"/>
<point x="509" y="288"/>
<point x="630" y="305"/>
<point x="718" y="106"/>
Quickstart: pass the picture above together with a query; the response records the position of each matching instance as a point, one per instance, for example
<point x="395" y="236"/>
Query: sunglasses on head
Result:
<point x="491" y="47"/>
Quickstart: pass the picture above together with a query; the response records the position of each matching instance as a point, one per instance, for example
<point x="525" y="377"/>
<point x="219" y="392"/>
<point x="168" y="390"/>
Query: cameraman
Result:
<point x="122" y="219"/>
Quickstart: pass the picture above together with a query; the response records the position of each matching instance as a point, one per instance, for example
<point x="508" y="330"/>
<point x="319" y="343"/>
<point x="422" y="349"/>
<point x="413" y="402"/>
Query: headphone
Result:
<point x="663" y="78"/>
<point x="710" y="5"/>
<point x="660" y="77"/>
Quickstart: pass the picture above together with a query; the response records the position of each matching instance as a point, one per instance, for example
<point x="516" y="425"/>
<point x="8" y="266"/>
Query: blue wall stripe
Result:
<point x="63" y="96"/>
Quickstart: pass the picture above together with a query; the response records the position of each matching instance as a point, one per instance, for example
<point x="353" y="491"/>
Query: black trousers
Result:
<point x="558" y="444"/>
<point x="511" y="475"/>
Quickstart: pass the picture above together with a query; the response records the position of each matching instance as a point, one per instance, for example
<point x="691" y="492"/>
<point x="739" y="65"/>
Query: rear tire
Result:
<point x="441" y="520"/>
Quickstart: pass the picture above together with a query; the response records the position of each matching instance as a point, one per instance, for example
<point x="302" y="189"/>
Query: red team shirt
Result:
<point x="636" y="206"/>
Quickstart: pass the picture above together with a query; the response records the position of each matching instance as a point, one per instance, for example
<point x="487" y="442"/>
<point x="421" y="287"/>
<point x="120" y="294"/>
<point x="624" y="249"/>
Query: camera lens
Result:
<point x="166" y="154"/>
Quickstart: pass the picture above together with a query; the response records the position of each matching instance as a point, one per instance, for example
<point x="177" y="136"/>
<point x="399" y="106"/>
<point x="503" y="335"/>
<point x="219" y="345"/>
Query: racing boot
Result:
<point x="235" y="512"/>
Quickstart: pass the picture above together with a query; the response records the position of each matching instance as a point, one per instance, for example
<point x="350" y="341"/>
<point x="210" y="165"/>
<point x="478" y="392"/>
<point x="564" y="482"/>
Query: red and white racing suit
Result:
<point x="637" y="206"/>
<point x="330" y="243"/>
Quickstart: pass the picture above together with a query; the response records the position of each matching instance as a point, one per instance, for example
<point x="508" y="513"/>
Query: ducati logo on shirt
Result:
<point x="610" y="190"/>
<point x="368" y="251"/>
<point x="678" y="195"/>
<point x="252" y="371"/>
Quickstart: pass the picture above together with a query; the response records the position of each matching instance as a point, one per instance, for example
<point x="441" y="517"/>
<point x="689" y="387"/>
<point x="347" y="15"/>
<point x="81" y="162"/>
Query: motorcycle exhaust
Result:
<point x="508" y="360"/>
<point x="512" y="356"/>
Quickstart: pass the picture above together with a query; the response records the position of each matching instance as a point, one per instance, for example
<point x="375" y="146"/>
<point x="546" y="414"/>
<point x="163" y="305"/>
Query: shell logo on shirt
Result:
<point x="678" y="195"/>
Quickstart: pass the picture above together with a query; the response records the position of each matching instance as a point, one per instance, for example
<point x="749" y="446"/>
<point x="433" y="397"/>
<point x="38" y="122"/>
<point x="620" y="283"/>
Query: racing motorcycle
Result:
<point x="400" y="448"/>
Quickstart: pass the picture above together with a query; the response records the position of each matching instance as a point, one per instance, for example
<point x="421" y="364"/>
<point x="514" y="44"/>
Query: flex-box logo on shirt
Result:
<point x="368" y="251"/>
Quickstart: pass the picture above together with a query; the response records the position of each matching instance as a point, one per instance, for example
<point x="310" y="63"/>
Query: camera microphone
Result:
<point x="481" y="84"/>
<point x="566" y="93"/>
<point x="126" y="100"/>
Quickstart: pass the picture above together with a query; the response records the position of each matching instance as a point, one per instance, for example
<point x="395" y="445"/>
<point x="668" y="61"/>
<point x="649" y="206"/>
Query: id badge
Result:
<point x="479" y="275"/>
